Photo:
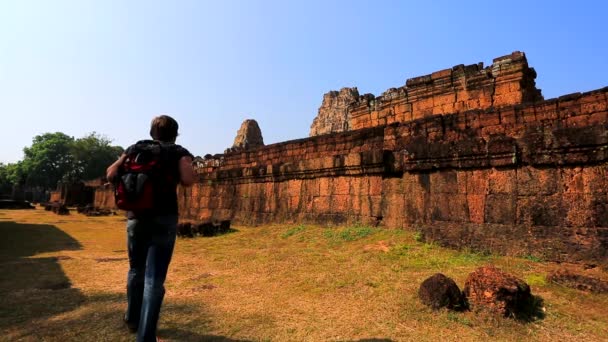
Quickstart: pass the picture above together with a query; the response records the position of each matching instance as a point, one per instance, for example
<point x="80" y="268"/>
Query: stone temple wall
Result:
<point x="517" y="175"/>
<point x="508" y="81"/>
<point x="104" y="197"/>
<point x="519" y="179"/>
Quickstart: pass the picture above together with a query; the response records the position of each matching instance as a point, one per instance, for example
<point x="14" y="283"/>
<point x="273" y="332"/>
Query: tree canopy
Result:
<point x="92" y="154"/>
<point x="48" y="160"/>
<point x="55" y="157"/>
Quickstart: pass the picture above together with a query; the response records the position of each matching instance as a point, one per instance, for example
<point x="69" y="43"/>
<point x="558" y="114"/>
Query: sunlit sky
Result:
<point x="110" y="66"/>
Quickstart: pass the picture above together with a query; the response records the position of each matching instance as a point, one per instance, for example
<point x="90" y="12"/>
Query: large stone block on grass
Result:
<point x="439" y="291"/>
<point x="578" y="281"/>
<point x="489" y="288"/>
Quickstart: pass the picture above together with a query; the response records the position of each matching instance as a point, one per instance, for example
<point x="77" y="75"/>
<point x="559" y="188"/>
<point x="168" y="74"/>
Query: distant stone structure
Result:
<point x="468" y="156"/>
<point x="248" y="136"/>
<point x="334" y="113"/>
<point x="75" y="193"/>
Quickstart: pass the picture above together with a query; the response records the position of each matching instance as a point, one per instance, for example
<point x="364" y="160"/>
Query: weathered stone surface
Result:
<point x="334" y="114"/>
<point x="193" y="229"/>
<point x="74" y="193"/>
<point x="528" y="178"/>
<point x="248" y="136"/>
<point x="546" y="208"/>
<point x="491" y="289"/>
<point x="578" y="281"/>
<point x="439" y="291"/>
<point x="57" y="208"/>
<point x="91" y="210"/>
<point x="508" y="81"/>
<point x="104" y="197"/>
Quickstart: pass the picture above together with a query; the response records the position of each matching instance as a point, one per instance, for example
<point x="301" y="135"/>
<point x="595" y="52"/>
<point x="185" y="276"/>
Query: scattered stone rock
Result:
<point x="83" y="209"/>
<point x="249" y="136"/>
<point x="334" y="115"/>
<point x="490" y="288"/>
<point x="15" y="204"/>
<point x="90" y="210"/>
<point x="61" y="210"/>
<point x="189" y="229"/>
<point x="57" y="208"/>
<point x="439" y="291"/>
<point x="578" y="281"/>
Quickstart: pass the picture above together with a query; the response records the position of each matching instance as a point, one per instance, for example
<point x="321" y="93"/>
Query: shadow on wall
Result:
<point x="33" y="288"/>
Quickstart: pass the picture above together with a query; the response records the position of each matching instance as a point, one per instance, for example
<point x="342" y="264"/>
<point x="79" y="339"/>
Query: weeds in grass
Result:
<point x="401" y="250"/>
<point x="418" y="237"/>
<point x="348" y="234"/>
<point x="467" y="257"/>
<point x="293" y="231"/>
<point x="428" y="255"/>
<point x="536" y="279"/>
<point x="533" y="258"/>
<point x="371" y="284"/>
<point x="455" y="317"/>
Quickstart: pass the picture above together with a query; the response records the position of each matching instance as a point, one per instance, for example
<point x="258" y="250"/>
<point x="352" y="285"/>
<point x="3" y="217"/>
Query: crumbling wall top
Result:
<point x="508" y="81"/>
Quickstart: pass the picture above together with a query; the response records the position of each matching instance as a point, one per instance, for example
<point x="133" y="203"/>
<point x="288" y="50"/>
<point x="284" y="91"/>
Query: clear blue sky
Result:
<point x="110" y="66"/>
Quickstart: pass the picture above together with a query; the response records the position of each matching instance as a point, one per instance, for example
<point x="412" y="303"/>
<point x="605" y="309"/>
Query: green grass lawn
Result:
<point x="62" y="278"/>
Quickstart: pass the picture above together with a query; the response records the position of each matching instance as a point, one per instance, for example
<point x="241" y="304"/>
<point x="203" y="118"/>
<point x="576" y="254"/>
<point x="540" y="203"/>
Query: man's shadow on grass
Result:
<point x="185" y="335"/>
<point x="30" y="287"/>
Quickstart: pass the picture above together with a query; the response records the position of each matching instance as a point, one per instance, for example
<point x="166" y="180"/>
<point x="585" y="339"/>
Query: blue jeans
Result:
<point x="150" y="242"/>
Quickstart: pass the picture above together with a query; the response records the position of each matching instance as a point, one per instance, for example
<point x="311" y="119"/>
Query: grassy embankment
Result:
<point x="62" y="278"/>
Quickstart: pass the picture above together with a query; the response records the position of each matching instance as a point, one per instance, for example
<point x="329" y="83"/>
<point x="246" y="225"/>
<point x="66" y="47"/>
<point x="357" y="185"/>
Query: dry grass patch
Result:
<point x="63" y="278"/>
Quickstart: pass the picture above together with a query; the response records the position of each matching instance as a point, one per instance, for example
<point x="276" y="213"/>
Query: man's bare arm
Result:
<point x="186" y="171"/>
<point x="112" y="170"/>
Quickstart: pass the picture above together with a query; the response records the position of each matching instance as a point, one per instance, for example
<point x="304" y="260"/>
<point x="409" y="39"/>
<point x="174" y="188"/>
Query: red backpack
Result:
<point x="143" y="177"/>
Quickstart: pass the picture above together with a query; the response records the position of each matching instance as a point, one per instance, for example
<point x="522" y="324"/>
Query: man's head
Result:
<point x="164" y="128"/>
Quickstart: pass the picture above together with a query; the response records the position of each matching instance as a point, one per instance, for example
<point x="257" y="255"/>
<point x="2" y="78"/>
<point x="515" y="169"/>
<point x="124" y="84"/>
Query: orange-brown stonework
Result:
<point x="517" y="175"/>
<point x="104" y="197"/>
<point x="55" y="196"/>
<point x="507" y="81"/>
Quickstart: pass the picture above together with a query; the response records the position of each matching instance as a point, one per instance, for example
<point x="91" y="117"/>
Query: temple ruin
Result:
<point x="467" y="156"/>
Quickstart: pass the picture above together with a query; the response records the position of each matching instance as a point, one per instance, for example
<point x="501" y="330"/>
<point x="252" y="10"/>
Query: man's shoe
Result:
<point x="130" y="325"/>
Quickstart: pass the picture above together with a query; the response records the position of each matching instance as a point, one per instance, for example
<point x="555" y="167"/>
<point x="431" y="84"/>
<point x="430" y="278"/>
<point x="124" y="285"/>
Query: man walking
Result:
<point x="151" y="227"/>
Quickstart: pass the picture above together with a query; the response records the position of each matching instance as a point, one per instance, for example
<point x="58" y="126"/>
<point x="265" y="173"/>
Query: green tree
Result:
<point x="15" y="174"/>
<point x="48" y="160"/>
<point x="6" y="184"/>
<point x="92" y="154"/>
<point x="55" y="157"/>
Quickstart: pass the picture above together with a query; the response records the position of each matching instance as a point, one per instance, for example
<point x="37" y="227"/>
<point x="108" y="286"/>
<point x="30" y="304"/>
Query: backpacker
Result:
<point x="143" y="177"/>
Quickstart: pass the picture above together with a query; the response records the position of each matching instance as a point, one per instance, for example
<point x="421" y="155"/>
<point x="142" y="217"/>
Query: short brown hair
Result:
<point x="164" y="128"/>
